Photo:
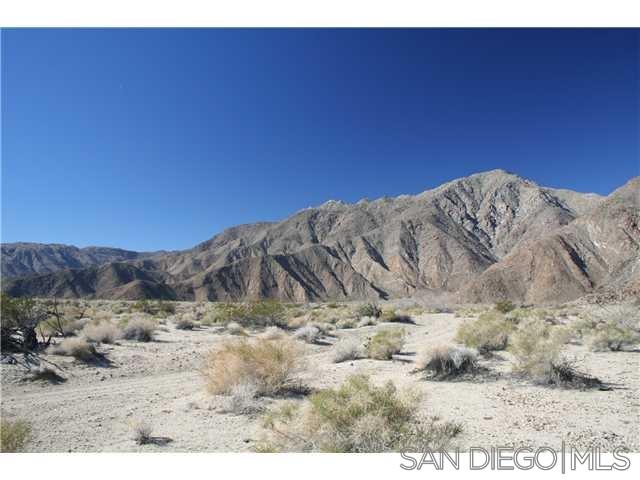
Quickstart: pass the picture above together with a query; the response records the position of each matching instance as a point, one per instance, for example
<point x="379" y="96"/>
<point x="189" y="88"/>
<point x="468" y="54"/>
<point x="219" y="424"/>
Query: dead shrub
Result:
<point x="76" y="347"/>
<point x="386" y="343"/>
<point x="185" y="323"/>
<point x="308" y="333"/>
<point x="102" y="332"/>
<point x="346" y="349"/>
<point x="449" y="361"/>
<point x="142" y="432"/>
<point x="140" y="329"/>
<point x="271" y="365"/>
<point x="242" y="399"/>
<point x="356" y="417"/>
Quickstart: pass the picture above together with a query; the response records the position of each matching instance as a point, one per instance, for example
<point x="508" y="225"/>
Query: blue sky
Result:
<point x="158" y="139"/>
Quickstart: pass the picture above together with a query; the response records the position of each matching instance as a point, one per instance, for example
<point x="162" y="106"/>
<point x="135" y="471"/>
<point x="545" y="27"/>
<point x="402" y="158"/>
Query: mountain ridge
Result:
<point x="441" y="240"/>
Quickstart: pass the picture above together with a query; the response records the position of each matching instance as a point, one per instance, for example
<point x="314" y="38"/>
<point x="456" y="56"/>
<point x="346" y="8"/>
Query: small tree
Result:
<point x="20" y="318"/>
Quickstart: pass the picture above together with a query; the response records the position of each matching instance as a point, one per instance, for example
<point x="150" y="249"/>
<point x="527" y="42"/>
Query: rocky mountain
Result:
<point x="484" y="237"/>
<point x="20" y="259"/>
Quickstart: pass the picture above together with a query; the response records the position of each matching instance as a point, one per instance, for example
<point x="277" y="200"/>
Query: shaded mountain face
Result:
<point x="474" y="237"/>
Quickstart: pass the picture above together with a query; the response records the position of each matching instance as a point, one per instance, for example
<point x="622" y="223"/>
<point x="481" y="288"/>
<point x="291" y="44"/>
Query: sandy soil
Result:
<point x="159" y="382"/>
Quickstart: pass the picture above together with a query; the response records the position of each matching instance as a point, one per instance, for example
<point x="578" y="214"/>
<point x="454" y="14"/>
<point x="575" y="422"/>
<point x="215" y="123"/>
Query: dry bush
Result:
<point x="271" y="365"/>
<point x="309" y="334"/>
<point x="45" y="374"/>
<point x="615" y="327"/>
<point x="234" y="328"/>
<point x="536" y="346"/>
<point x="102" y="332"/>
<point x="272" y="333"/>
<point x="384" y="344"/>
<point x="448" y="361"/>
<point x="142" y="432"/>
<point x="76" y="347"/>
<point x="14" y="435"/>
<point x="367" y="322"/>
<point x="356" y="417"/>
<point x="140" y="329"/>
<point x="347" y="323"/>
<point x="369" y="310"/>
<point x="489" y="332"/>
<point x="346" y="349"/>
<point x="185" y="322"/>
<point x="242" y="399"/>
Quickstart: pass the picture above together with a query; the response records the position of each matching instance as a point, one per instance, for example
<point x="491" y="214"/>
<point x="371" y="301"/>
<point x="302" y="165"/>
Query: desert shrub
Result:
<point x="14" y="435"/>
<point x="536" y="346"/>
<point x="185" y="323"/>
<point x="504" y="306"/>
<point x="448" y="361"/>
<point x="489" y="332"/>
<point x="367" y="322"/>
<point x="45" y="374"/>
<point x="144" y="306"/>
<point x="347" y="323"/>
<point x="263" y="313"/>
<point x="139" y="329"/>
<point x="615" y="327"/>
<point x="385" y="343"/>
<point x="271" y="365"/>
<point x="76" y="347"/>
<point x="564" y="373"/>
<point x="369" y="310"/>
<point x="20" y="318"/>
<point x="242" y="399"/>
<point x="309" y="334"/>
<point x="165" y="308"/>
<point x="272" y="333"/>
<point x="346" y="349"/>
<point x="356" y="417"/>
<point x="142" y="432"/>
<point x="234" y="328"/>
<point x="102" y="332"/>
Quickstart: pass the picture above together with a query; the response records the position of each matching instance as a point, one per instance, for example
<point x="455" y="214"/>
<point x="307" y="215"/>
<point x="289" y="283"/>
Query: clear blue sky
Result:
<point x="158" y="139"/>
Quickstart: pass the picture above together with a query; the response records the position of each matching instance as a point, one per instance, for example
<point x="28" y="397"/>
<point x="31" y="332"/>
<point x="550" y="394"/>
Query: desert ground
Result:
<point x="95" y="405"/>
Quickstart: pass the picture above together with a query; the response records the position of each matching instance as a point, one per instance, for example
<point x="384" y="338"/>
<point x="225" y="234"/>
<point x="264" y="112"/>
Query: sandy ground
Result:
<point x="159" y="382"/>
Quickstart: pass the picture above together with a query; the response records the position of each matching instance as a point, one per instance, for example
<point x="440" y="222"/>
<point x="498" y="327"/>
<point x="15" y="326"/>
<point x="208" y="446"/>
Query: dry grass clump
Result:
<point x="76" y="347"/>
<point x="242" y="399"/>
<point x="140" y="329"/>
<point x="272" y="333"/>
<point x="384" y="344"/>
<point x="356" y="417"/>
<point x="104" y="332"/>
<point x="449" y="361"/>
<point x="536" y="347"/>
<point x="308" y="333"/>
<point x="615" y="327"/>
<point x="489" y="332"/>
<point x="14" y="435"/>
<point x="271" y="365"/>
<point x="347" y="323"/>
<point x="346" y="349"/>
<point x="142" y="432"/>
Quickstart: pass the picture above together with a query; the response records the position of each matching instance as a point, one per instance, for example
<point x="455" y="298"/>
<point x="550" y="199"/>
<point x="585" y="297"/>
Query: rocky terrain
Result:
<point x="486" y="237"/>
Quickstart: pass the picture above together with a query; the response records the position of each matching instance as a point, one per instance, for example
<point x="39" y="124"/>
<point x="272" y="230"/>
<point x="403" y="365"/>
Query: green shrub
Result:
<point x="384" y="344"/>
<point x="369" y="310"/>
<point x="489" y="332"/>
<point x="14" y="435"/>
<point x="356" y="417"/>
<point x="504" y="306"/>
<point x="20" y="318"/>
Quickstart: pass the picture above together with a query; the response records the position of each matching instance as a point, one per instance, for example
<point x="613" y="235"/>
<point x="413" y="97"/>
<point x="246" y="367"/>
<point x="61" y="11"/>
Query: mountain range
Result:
<point x="486" y="237"/>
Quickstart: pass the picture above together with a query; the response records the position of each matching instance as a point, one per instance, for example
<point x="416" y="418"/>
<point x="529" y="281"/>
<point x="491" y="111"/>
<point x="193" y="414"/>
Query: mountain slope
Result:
<point x="21" y="259"/>
<point x="477" y="236"/>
